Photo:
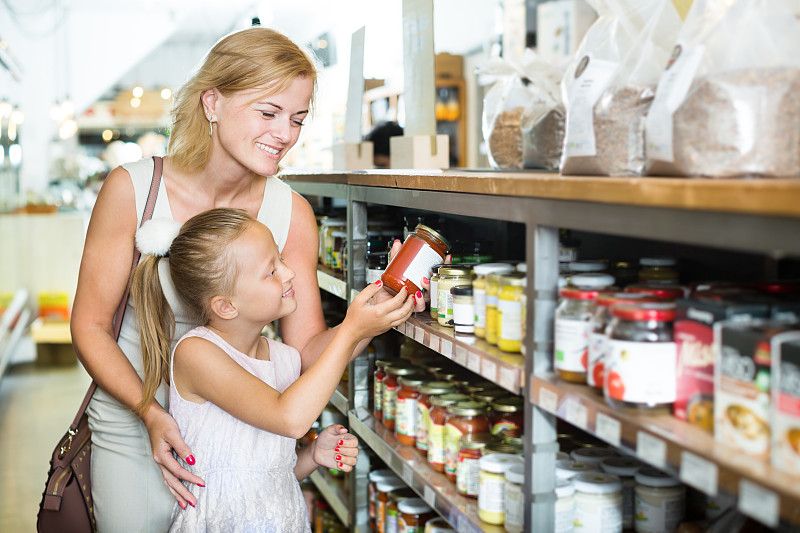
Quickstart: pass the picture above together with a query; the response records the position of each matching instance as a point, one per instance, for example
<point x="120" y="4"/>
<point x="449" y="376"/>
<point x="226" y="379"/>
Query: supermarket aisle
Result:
<point x="36" y="407"/>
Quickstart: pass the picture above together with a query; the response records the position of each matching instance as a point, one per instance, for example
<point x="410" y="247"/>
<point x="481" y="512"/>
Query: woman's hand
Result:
<point x="336" y="448"/>
<point x="425" y="297"/>
<point x="165" y="437"/>
<point x="368" y="316"/>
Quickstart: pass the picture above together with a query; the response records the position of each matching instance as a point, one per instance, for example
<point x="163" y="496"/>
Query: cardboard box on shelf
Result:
<point x="449" y="66"/>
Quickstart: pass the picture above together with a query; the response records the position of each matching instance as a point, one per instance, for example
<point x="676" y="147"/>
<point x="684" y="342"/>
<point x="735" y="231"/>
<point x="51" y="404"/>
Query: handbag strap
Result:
<point x="148" y="213"/>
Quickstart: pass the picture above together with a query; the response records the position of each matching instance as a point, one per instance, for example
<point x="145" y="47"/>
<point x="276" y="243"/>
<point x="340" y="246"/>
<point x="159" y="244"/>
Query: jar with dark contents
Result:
<point x="422" y="249"/>
<point x="641" y="358"/>
<point x="426" y="392"/>
<point x="436" y="428"/>
<point x="468" y="464"/>
<point x="463" y="418"/>
<point x="508" y="416"/>
<point x="405" y="429"/>
<point x="390" y="386"/>
<point x="377" y="388"/>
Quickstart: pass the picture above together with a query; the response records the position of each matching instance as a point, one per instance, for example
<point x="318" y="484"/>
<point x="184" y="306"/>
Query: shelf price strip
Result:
<point x="699" y="473"/>
<point x="447" y="349"/>
<point x="609" y="429"/>
<point x="461" y="356"/>
<point x="651" y="449"/>
<point x="489" y="370"/>
<point x="759" y="503"/>
<point x="548" y="400"/>
<point x="577" y="414"/>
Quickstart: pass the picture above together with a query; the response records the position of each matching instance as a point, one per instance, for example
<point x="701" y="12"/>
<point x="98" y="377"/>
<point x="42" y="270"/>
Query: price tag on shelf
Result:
<point x="609" y="429"/>
<point x="474" y="362"/>
<point x="430" y="496"/>
<point x="577" y="415"/>
<point x="651" y="449"/>
<point x="433" y="343"/>
<point x="419" y="334"/>
<point x="548" y="400"/>
<point x="463" y="525"/>
<point x="447" y="349"/>
<point x="699" y="473"/>
<point x="408" y="474"/>
<point x="509" y="378"/>
<point x="461" y="356"/>
<point x="489" y="369"/>
<point x="759" y="503"/>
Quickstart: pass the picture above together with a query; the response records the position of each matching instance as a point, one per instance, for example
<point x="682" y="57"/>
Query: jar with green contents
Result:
<point x="479" y="292"/>
<point x="509" y="312"/>
<point x="434" y="290"/>
<point x="492" y="292"/>
<point x="449" y="277"/>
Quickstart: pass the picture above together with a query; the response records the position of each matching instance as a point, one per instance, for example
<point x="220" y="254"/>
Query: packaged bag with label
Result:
<point x="543" y="118"/>
<point x="728" y="103"/>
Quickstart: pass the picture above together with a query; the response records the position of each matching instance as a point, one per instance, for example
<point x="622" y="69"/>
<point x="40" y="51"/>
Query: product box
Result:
<point x="786" y="402"/>
<point x="694" y="339"/>
<point x="742" y="381"/>
<point x="560" y="27"/>
<point x="449" y="65"/>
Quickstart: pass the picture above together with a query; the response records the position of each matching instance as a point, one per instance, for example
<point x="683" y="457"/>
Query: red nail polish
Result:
<point x="340" y="465"/>
<point x="336" y="449"/>
<point x="183" y="505"/>
<point x="419" y="294"/>
<point x="425" y="280"/>
<point x="338" y="457"/>
<point x="396" y="240"/>
<point x="341" y="442"/>
<point x="190" y="503"/>
<point x="190" y="459"/>
<point x="201" y="485"/>
<point x="378" y="283"/>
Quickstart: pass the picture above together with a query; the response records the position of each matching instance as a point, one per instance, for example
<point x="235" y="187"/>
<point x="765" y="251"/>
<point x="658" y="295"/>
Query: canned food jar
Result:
<point x="378" y="378"/>
<point x="338" y="248"/>
<point x="658" y="271"/>
<point x="426" y="392"/>
<point x="598" y="502"/>
<point x="489" y="395"/>
<point x="565" y="506"/>
<point x="437" y="456"/>
<point x="392" y="522"/>
<point x="327" y="241"/>
<point x="569" y="468"/>
<point x="422" y="249"/>
<point x="405" y="428"/>
<point x="515" y="498"/>
<point x="625" y="469"/>
<point x="390" y="386"/>
<point x="501" y="446"/>
<point x="414" y="514"/>
<point x="434" y="290"/>
<point x="641" y="357"/>
<point x="375" y="477"/>
<point x="598" y="338"/>
<point x="438" y="525"/>
<point x="463" y="309"/>
<point x="383" y="489"/>
<point x="463" y="418"/>
<point x="468" y="464"/>
<point x="508" y="416"/>
<point x="481" y="271"/>
<point x="660" y="501"/>
<point x="509" y="312"/>
<point x="593" y="456"/>
<point x="492" y="292"/>
<point x="492" y="487"/>
<point x="449" y="277"/>
<point x="523" y="309"/>
<point x="573" y="325"/>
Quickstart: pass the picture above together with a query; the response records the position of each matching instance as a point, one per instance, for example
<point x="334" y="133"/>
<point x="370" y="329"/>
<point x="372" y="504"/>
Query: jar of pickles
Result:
<point x="479" y="292"/>
<point x="573" y="325"/>
<point x="450" y="276"/>
<point x="426" y="392"/>
<point x="406" y="411"/>
<point x="434" y="290"/>
<point x="509" y="312"/>
<point x="437" y="455"/>
<point x="463" y="418"/>
<point x="508" y="416"/>
<point x="390" y="386"/>
<point x="422" y="249"/>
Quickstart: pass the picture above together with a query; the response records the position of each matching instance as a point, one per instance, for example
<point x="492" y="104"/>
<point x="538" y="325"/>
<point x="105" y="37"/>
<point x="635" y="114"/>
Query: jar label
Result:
<point x="462" y="314"/>
<point x="515" y="506"/>
<point x="467" y="472"/>
<point x="507" y="428"/>
<point x="436" y="454"/>
<point x="406" y="417"/>
<point x="378" y="395"/>
<point x="572" y="344"/>
<point x="444" y="305"/>
<point x="434" y="291"/>
<point x="420" y="267"/>
<point x="641" y="372"/>
<point x="652" y="518"/>
<point x="597" y="351"/>
<point x="565" y="516"/>
<point x="583" y="94"/>
<point x="509" y="320"/>
<point x="423" y="420"/>
<point x="392" y="524"/>
<point x="389" y="402"/>
<point x="451" y="436"/>
<point x="479" y="306"/>
<point x="492" y="493"/>
<point x="596" y="517"/>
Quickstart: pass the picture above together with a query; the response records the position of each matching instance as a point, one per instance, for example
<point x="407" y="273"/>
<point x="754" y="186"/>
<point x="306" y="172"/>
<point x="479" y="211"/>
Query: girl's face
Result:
<point x="263" y="291"/>
<point x="255" y="130"/>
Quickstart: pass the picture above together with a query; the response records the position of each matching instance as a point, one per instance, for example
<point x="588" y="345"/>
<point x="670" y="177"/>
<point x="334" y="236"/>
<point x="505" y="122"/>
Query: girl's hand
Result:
<point x="165" y="437"/>
<point x="368" y="316"/>
<point x="336" y="448"/>
<point x="420" y="303"/>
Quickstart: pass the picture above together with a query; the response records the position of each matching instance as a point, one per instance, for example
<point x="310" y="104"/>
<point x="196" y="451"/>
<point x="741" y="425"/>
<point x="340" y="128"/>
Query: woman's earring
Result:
<point x="211" y="126"/>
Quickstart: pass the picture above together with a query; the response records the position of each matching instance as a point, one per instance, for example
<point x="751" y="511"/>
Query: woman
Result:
<point x="233" y="122"/>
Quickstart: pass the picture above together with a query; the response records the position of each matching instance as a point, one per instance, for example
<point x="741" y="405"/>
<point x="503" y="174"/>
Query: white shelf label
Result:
<point x="509" y="378"/>
<point x="474" y="362"/>
<point x="651" y="449"/>
<point x="758" y="502"/>
<point x="577" y="415"/>
<point x="461" y="356"/>
<point x="447" y="349"/>
<point x="489" y="370"/>
<point x="699" y="473"/>
<point x="433" y="343"/>
<point x="548" y="400"/>
<point x="408" y="474"/>
<point x="430" y="496"/>
<point x="609" y="429"/>
<point x="419" y="334"/>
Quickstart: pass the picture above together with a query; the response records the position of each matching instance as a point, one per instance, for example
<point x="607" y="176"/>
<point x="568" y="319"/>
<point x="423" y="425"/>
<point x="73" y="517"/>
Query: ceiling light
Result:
<point x="68" y="128"/>
<point x="67" y="108"/>
<point x="17" y="117"/>
<point x="5" y="108"/>
<point x="166" y="93"/>
<point x="138" y="91"/>
<point x="135" y="102"/>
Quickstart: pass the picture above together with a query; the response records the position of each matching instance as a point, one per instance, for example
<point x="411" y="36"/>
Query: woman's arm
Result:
<point x="333" y="448"/>
<point x="104" y="271"/>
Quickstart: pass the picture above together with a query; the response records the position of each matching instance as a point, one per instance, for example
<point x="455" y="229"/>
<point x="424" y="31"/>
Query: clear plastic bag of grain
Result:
<point x="728" y="104"/>
<point x="542" y="121"/>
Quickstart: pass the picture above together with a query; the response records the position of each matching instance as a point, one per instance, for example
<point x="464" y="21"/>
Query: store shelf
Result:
<point x="477" y="355"/>
<point x="332" y="491"/>
<point x="685" y="451"/>
<point x="339" y="398"/>
<point x="332" y="282"/>
<point x="438" y="491"/>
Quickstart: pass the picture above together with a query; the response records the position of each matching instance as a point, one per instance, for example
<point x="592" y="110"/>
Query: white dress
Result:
<point x="249" y="472"/>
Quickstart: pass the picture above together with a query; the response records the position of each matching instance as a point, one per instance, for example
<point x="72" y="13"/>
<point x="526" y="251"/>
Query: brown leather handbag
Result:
<point x="66" y="505"/>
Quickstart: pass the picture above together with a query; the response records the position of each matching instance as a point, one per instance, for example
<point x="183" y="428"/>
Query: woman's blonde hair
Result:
<point x="201" y="267"/>
<point x="245" y="60"/>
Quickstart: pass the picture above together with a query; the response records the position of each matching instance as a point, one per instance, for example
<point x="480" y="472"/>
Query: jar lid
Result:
<point x="400" y="369"/>
<point x="412" y="380"/>
<point x="467" y="408"/>
<point x="592" y="281"/>
<point x="484" y="269"/>
<point x="479" y="386"/>
<point x="475" y="441"/>
<point x="653" y="477"/>
<point x="461" y="290"/>
<point x="607" y="299"/>
<point x="382" y="363"/>
<point x="592" y="265"/>
<point x="448" y="399"/>
<point x="564" y="488"/>
<point x="621" y="466"/>
<point x="561" y="456"/>
<point x="497" y="463"/>
<point x="414" y="506"/>
<point x="669" y="292"/>
<point x="435" y="268"/>
<point x="597" y="483"/>
<point x="592" y="455"/>
<point x="657" y="261"/>
<point x="388" y="485"/>
<point x="402" y="494"/>
<point x="489" y="395"/>
<point x="514" y="441"/>
<point x="433" y="232"/>
<point x="512" y="279"/>
<point x="522" y="267"/>
<point x="498" y="446"/>
<point x="453" y="271"/>
<point x="568" y="468"/>
<point x="436" y="387"/>
<point x="516" y="473"/>
<point x="379" y="475"/>
<point x="508" y="404"/>
<point x="439" y="525"/>
<point x="660" y="312"/>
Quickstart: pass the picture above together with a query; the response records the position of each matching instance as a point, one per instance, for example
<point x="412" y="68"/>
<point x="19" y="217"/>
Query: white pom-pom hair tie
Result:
<point x="155" y="236"/>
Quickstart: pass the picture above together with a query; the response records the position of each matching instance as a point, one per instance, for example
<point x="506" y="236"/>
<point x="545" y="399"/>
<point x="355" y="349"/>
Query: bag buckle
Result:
<point x="64" y="449"/>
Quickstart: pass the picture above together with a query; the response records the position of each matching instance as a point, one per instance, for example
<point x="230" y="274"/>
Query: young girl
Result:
<point x="232" y="389"/>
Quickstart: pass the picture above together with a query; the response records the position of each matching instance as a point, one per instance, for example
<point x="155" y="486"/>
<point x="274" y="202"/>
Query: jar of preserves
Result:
<point x="492" y="291"/>
<point x="438" y="525"/>
<point x="508" y="416"/>
<point x="378" y="378"/>
<point x="450" y="276"/>
<point x="436" y="428"/>
<point x="565" y="506"/>
<point x="463" y="418"/>
<point x="665" y="292"/>
<point x="392" y="523"/>
<point x="515" y="498"/>
<point x="405" y="428"/>
<point x="598" y="501"/>
<point x="660" y="501"/>
<point x="658" y="271"/>
<point x="390" y="386"/>
<point x="489" y="395"/>
<point x="573" y="325"/>
<point x="384" y="488"/>
<point x="641" y="358"/>
<point x="492" y="487"/>
<point x="625" y="469"/>
<point x="467" y="466"/>
<point x="509" y="312"/>
<point x="598" y="339"/>
<point x="463" y="309"/>
<point x="479" y="292"/>
<point x="569" y="468"/>
<point x="434" y="290"/>
<point x="501" y="446"/>
<point x="426" y="392"/>
<point x="422" y="249"/>
<point x="414" y="514"/>
<point x="375" y="477"/>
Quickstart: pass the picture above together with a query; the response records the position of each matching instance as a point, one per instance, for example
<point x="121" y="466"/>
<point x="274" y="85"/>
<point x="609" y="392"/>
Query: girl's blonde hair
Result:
<point x="201" y="267"/>
<point x="248" y="59"/>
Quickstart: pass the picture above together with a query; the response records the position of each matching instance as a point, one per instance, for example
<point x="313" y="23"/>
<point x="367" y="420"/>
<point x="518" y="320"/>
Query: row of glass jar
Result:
<point x="395" y="508"/>
<point x="647" y="270"/>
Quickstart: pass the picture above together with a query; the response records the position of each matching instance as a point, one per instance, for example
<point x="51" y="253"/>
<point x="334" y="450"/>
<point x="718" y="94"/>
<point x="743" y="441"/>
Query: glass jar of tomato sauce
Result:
<point x="423" y="248"/>
<point x="436" y="428"/>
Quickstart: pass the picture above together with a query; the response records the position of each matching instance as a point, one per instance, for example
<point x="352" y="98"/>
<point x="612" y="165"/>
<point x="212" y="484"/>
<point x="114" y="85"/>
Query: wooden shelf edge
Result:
<point x="331" y="282"/>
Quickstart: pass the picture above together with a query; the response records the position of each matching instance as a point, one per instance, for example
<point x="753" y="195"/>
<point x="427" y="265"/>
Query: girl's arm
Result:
<point x="202" y="371"/>
<point x="105" y="267"/>
<point x="333" y="448"/>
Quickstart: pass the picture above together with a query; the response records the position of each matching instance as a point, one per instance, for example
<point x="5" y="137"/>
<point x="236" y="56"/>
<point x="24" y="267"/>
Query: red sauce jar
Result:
<point x="405" y="427"/>
<point x="667" y="292"/>
<point x="426" y="392"/>
<point x="463" y="418"/>
<point x="438" y="418"/>
<point x="508" y="416"/>
<point x="377" y="388"/>
<point x="422" y="249"/>
<point x="390" y="386"/>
